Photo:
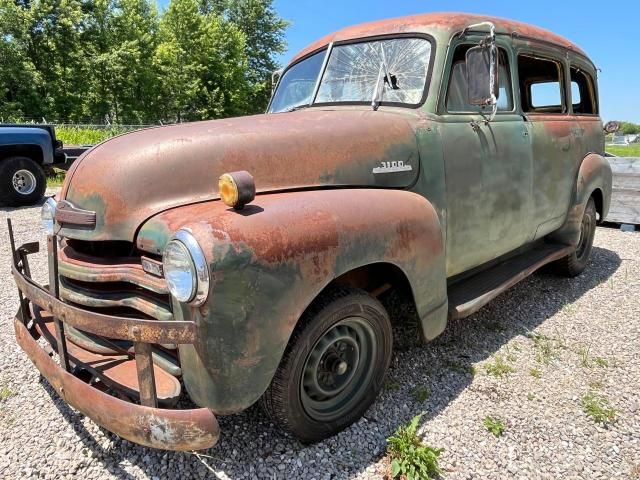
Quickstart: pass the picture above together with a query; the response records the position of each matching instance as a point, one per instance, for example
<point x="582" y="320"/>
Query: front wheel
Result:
<point x="334" y="365"/>
<point x="575" y="263"/>
<point x="22" y="182"/>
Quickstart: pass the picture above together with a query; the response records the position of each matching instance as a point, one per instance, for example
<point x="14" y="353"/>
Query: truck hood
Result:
<point x="130" y="178"/>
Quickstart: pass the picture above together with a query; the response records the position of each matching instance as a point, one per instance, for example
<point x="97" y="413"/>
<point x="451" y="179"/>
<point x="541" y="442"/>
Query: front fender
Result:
<point x="268" y="263"/>
<point x="11" y="137"/>
<point x="594" y="174"/>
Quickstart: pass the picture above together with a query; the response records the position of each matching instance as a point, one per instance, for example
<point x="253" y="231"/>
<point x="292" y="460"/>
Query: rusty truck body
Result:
<point x="440" y="158"/>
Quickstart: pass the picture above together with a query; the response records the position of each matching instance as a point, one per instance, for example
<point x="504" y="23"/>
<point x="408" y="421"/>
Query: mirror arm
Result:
<point x="492" y="29"/>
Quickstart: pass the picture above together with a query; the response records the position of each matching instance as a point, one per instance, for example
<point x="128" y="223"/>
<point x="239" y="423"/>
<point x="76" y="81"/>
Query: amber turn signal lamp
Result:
<point x="237" y="189"/>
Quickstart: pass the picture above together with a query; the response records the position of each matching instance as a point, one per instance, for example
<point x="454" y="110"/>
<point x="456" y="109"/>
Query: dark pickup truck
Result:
<point x="26" y="153"/>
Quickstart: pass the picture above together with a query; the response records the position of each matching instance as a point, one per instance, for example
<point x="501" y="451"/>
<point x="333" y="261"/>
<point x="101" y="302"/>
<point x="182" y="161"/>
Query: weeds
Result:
<point x="596" y="385"/>
<point x="531" y="397"/>
<point x="584" y="356"/>
<point x="597" y="407"/>
<point x="495" y="327"/>
<point x="86" y="136"/>
<point x="494" y="425"/>
<point x="499" y="367"/>
<point x="5" y="393"/>
<point x="460" y="367"/>
<point x="587" y="362"/>
<point x="545" y="349"/>
<point x="391" y="386"/>
<point x="535" y="372"/>
<point x="421" y="393"/>
<point x="410" y="457"/>
<point x="56" y="179"/>
<point x="601" y="362"/>
<point x="568" y="309"/>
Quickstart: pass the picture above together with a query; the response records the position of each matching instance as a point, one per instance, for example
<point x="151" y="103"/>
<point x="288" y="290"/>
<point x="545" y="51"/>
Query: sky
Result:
<point x="608" y="32"/>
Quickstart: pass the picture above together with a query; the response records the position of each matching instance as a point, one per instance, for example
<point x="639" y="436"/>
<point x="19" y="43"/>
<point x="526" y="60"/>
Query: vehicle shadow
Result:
<point x="251" y="445"/>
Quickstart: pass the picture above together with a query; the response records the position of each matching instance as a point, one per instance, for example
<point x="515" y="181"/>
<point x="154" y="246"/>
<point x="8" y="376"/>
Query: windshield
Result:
<point x="352" y="74"/>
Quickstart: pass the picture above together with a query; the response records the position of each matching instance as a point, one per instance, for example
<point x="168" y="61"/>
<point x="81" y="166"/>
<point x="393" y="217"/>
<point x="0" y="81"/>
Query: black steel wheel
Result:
<point x="333" y="367"/>
<point x="575" y="263"/>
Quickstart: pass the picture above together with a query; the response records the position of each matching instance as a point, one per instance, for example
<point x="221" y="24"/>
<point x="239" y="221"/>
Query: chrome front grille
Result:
<point x="112" y="283"/>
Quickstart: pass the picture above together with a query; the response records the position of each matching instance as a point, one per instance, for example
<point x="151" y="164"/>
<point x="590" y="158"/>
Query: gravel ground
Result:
<point x="559" y="338"/>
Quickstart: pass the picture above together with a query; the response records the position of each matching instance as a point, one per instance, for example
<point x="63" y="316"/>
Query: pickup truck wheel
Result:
<point x="22" y="182"/>
<point x="334" y="365"/>
<point x="575" y="263"/>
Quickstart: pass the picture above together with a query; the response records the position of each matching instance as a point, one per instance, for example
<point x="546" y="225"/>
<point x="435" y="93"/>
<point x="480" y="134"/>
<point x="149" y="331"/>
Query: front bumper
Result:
<point x="145" y="424"/>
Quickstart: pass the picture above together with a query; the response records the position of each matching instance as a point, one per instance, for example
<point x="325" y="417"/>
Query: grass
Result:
<point x="588" y="362"/>
<point x="409" y="456"/>
<point x="598" y="409"/>
<point x="86" y="136"/>
<point x="391" y="386"/>
<point x="421" y="393"/>
<point x="632" y="150"/>
<point x="498" y="367"/>
<point x="546" y="351"/>
<point x="5" y="393"/>
<point x="494" y="425"/>
<point x="56" y="179"/>
<point x="460" y="367"/>
<point x="535" y="372"/>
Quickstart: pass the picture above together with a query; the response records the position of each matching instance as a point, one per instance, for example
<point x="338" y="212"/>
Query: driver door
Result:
<point x="488" y="167"/>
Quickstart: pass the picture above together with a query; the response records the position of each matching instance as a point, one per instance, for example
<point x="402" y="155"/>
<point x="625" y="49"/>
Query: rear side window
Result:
<point x="541" y="86"/>
<point x="457" y="92"/>
<point x="583" y="97"/>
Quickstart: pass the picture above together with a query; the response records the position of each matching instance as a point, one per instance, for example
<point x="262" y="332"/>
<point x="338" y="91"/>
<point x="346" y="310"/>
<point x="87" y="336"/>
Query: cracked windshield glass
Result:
<point x="352" y="74"/>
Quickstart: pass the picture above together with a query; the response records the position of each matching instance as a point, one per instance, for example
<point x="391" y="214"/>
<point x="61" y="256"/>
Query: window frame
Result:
<point x="592" y="86"/>
<point x="374" y="38"/>
<point x="562" y="78"/>
<point x="448" y="70"/>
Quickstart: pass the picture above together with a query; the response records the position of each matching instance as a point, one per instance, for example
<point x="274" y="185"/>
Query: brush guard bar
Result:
<point x="146" y="424"/>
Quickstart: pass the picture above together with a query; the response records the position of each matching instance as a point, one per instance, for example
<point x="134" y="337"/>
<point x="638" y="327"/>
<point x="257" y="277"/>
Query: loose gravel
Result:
<point x="559" y="338"/>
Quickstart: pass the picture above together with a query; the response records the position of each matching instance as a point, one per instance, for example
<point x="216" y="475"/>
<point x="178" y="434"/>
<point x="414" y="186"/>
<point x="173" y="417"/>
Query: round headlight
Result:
<point x="185" y="269"/>
<point x="47" y="215"/>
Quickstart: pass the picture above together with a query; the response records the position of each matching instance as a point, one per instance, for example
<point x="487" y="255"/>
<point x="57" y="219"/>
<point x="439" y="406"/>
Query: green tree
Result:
<point x="122" y="35"/>
<point x="628" y="128"/>
<point x="264" y="30"/>
<point x="201" y="62"/>
<point x="19" y="79"/>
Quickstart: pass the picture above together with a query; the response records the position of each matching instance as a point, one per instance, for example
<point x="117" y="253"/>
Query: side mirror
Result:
<point x="482" y="74"/>
<point x="275" y="78"/>
<point x="611" y="127"/>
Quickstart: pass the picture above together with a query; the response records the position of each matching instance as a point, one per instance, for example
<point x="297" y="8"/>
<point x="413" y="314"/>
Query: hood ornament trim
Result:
<point x="69" y="214"/>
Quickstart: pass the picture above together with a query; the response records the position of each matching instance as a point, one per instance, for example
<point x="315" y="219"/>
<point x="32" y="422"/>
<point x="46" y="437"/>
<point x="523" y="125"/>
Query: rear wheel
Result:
<point x="333" y="367"/>
<point x="575" y="263"/>
<point x="22" y="182"/>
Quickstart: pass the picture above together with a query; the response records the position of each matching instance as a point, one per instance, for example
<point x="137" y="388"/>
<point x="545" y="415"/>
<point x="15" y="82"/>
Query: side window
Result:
<point x="582" y="93"/>
<point x="541" y="85"/>
<point x="457" y="97"/>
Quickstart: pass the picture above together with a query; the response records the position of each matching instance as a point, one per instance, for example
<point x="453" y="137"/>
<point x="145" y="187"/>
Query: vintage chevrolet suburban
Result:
<point x="440" y="158"/>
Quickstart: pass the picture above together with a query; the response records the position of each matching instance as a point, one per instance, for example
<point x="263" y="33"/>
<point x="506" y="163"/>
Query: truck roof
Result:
<point x="446" y="22"/>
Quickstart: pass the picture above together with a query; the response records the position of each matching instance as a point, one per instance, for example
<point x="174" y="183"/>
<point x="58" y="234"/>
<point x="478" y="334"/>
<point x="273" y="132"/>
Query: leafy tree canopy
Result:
<point x="121" y="61"/>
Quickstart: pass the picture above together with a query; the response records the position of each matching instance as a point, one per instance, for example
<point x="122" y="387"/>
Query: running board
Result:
<point x="471" y="294"/>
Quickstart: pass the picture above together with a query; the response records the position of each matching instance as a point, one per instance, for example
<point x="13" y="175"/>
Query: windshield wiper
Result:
<point x="297" y="107"/>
